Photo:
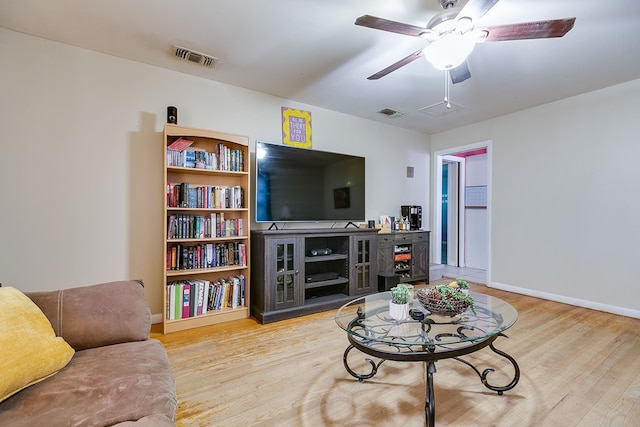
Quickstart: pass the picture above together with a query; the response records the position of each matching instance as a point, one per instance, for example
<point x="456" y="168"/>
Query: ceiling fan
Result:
<point x="453" y="33"/>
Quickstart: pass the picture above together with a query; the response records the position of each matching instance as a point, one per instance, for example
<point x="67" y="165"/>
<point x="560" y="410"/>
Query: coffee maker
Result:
<point x="414" y="214"/>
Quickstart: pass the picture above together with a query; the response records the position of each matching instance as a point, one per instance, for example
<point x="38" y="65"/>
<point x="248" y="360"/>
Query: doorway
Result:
<point x="445" y="212"/>
<point x="451" y="231"/>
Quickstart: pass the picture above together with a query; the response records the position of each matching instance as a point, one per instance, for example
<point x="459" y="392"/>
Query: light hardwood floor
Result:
<point x="579" y="367"/>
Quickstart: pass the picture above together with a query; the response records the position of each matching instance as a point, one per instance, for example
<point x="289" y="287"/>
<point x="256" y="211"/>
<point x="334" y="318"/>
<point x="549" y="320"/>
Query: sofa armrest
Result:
<point x="97" y="315"/>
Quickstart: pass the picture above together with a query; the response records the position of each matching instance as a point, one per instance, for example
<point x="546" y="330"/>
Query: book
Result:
<point x="205" y="296"/>
<point x="210" y="255"/>
<point x="219" y="292"/>
<point x="179" y="144"/>
<point x="189" y="159"/>
<point x="243" y="290"/>
<point x="192" y="201"/>
<point x="171" y="227"/>
<point x="200" y="300"/>
<point x="174" y="258"/>
<point x="193" y="300"/>
<point x="235" y="293"/>
<point x="186" y="300"/>
<point x="170" y="302"/>
<point x="178" y="300"/>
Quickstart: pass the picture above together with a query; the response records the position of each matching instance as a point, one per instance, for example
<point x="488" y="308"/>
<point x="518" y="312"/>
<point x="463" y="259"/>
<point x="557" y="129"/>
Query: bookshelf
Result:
<point x="206" y="229"/>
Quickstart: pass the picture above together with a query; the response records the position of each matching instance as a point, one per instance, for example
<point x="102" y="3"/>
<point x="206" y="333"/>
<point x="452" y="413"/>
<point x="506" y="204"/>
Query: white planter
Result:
<point x="398" y="311"/>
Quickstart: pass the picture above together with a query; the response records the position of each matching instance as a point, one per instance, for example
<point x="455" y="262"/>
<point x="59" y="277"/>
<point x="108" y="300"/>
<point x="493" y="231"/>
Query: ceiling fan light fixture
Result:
<point x="450" y="51"/>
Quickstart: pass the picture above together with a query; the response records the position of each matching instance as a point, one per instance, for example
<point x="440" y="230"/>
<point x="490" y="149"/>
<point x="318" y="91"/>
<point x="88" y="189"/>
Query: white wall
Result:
<point x="565" y="198"/>
<point x="81" y="159"/>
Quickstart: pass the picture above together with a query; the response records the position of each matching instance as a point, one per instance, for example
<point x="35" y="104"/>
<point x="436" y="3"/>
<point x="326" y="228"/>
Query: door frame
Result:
<point x="438" y="157"/>
<point x="455" y="222"/>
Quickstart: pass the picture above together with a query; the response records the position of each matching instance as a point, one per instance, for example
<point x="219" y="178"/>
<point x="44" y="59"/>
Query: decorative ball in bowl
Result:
<point x="447" y="300"/>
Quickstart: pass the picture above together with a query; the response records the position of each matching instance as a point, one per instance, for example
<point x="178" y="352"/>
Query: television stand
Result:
<point x="304" y="271"/>
<point x="350" y="222"/>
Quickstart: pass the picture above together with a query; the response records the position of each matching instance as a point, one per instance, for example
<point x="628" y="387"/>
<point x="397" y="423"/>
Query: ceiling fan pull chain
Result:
<point x="446" y="88"/>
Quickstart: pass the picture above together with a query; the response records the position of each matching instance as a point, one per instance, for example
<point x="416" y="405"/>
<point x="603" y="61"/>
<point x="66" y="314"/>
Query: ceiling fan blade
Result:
<point x="529" y="30"/>
<point x="460" y="73"/>
<point x="404" y="61"/>
<point x="391" y="26"/>
<point x="475" y="9"/>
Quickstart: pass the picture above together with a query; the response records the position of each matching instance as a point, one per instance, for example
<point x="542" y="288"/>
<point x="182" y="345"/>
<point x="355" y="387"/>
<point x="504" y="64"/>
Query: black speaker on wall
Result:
<point x="172" y="115"/>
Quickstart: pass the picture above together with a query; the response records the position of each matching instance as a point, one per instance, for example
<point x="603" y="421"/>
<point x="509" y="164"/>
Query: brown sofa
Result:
<point x="117" y="376"/>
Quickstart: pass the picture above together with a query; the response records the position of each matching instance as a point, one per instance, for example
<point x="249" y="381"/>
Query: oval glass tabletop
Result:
<point x="367" y="318"/>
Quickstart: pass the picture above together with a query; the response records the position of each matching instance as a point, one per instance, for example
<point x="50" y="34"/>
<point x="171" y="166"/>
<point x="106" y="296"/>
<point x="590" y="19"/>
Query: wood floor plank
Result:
<point x="578" y="367"/>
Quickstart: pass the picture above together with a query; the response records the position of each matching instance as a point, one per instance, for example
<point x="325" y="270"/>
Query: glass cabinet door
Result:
<point x="363" y="265"/>
<point x="286" y="273"/>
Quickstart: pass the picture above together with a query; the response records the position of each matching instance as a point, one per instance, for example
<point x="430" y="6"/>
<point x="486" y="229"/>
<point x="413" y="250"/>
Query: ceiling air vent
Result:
<point x="193" y="56"/>
<point x="390" y="113"/>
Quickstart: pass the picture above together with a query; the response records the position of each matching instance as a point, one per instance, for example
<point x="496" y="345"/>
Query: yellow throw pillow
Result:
<point x="29" y="348"/>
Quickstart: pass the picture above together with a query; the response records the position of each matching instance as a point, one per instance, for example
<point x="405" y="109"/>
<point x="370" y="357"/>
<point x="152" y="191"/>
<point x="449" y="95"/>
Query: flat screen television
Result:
<point x="307" y="185"/>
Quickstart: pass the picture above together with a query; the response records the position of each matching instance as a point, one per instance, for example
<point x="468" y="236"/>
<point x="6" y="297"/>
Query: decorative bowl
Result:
<point x="434" y="302"/>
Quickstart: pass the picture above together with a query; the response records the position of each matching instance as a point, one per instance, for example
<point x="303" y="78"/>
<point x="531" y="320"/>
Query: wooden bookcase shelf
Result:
<point x="207" y="228"/>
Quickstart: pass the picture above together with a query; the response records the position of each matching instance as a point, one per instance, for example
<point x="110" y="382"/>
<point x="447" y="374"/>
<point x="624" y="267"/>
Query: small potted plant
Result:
<point x="399" y="304"/>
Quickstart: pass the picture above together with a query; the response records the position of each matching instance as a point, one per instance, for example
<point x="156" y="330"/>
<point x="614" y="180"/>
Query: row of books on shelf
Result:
<point x="208" y="255"/>
<point x="186" y="195"/>
<point x="224" y="158"/>
<point x="186" y="226"/>
<point x="190" y="298"/>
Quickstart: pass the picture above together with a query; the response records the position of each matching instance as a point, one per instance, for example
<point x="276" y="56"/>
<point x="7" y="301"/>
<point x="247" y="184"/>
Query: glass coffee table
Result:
<point x="426" y="337"/>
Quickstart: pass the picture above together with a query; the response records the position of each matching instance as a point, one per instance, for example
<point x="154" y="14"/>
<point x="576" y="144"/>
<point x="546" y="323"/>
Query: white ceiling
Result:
<point x="310" y="50"/>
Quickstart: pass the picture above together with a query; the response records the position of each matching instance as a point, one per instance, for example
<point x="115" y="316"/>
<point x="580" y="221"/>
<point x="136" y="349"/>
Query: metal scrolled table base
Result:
<point x="428" y="355"/>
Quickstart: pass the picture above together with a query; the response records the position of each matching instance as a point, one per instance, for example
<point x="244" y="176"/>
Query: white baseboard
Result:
<point x="568" y="300"/>
<point x="156" y="318"/>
